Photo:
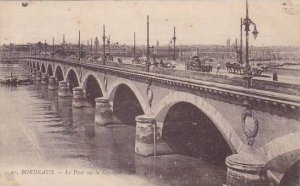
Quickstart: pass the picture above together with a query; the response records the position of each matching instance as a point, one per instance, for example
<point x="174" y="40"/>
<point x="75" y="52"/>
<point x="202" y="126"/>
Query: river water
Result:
<point x="39" y="131"/>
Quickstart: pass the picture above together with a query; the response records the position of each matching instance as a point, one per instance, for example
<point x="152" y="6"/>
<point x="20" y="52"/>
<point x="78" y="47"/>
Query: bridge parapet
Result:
<point x="274" y="102"/>
<point x="277" y="113"/>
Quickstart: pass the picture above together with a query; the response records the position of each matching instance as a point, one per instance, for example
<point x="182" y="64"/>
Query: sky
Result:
<point x="197" y="22"/>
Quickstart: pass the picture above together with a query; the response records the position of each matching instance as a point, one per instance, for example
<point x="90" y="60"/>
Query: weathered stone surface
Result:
<point x="38" y="76"/>
<point x="45" y="79"/>
<point x="78" y="100"/>
<point x="246" y="169"/>
<point x="148" y="140"/>
<point x="52" y="83"/>
<point x="63" y="90"/>
<point x="103" y="112"/>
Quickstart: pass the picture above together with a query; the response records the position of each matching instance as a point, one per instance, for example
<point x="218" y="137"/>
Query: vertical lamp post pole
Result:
<point x="53" y="46"/>
<point x="104" y="55"/>
<point x="45" y="48"/>
<point x="108" y="43"/>
<point x="64" y="46"/>
<point x="174" y="43"/>
<point x="134" y="45"/>
<point x="148" y="49"/>
<point x="169" y="50"/>
<point x="79" y="46"/>
<point x="91" y="47"/>
<point x="241" y="42"/>
<point x="247" y="23"/>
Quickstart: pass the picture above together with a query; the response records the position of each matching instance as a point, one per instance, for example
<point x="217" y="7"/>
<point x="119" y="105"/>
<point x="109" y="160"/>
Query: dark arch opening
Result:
<point x="93" y="90"/>
<point x="72" y="79"/>
<point x="188" y="131"/>
<point x="38" y="66"/>
<point x="33" y="65"/>
<point x="43" y="68"/>
<point x="126" y="105"/>
<point x="292" y="176"/>
<point x="30" y="64"/>
<point x="59" y="74"/>
<point x="49" y="70"/>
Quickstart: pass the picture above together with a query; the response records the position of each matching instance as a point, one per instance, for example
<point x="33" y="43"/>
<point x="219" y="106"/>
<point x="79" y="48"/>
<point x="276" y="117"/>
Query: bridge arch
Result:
<point x="200" y="106"/>
<point x="50" y="70"/>
<point x="127" y="101"/>
<point x="93" y="87"/>
<point x="292" y="176"/>
<point x="72" y="78"/>
<point x="43" y="68"/>
<point x="283" y="155"/>
<point x="38" y="66"/>
<point x="58" y="73"/>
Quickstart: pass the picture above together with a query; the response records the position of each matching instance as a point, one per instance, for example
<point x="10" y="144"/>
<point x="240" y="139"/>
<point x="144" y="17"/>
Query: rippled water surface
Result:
<point x="41" y="131"/>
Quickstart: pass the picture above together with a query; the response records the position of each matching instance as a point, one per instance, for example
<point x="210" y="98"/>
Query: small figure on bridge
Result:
<point x="275" y="77"/>
<point x="218" y="67"/>
<point x="155" y="63"/>
<point x="119" y="60"/>
<point x="161" y="62"/>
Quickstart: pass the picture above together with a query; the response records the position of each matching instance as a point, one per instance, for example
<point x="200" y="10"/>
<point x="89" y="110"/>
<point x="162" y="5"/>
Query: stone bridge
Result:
<point x="214" y="110"/>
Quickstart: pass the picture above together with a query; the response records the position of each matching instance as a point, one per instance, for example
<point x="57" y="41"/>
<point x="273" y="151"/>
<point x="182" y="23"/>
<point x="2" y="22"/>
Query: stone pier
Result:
<point x="45" y="79"/>
<point x="78" y="100"/>
<point x="103" y="112"/>
<point x="63" y="89"/>
<point x="29" y="76"/>
<point x="38" y="76"/>
<point x="147" y="136"/>
<point x="52" y="83"/>
<point x="246" y="169"/>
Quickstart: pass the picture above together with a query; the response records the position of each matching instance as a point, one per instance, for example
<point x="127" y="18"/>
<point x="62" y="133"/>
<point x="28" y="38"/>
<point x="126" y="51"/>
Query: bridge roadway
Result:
<point x="277" y="144"/>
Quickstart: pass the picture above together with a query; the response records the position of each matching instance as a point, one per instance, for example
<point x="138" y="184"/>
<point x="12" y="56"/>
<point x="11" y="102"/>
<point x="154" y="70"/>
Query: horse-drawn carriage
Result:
<point x="197" y="64"/>
<point x="255" y="69"/>
<point x="167" y="64"/>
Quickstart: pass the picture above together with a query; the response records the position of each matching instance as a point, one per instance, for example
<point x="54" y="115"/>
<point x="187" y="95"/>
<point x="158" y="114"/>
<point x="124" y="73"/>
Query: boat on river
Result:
<point x="13" y="80"/>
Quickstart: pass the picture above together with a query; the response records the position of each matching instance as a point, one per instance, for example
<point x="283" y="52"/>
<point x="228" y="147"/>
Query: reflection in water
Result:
<point x="48" y="132"/>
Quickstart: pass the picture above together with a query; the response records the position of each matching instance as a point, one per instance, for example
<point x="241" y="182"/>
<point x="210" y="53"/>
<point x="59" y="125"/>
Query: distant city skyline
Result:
<point x="197" y="22"/>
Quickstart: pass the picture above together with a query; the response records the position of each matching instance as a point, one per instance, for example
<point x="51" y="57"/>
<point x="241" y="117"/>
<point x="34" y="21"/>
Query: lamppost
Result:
<point x="104" y="40"/>
<point x="173" y="39"/>
<point x="134" y="49"/>
<point x="148" y="47"/>
<point x="247" y="22"/>
<point x="108" y="43"/>
<point x="53" y="50"/>
<point x="79" y="46"/>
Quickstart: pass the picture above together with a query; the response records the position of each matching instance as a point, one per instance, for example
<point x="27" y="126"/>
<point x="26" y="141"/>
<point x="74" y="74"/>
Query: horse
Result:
<point x="234" y="68"/>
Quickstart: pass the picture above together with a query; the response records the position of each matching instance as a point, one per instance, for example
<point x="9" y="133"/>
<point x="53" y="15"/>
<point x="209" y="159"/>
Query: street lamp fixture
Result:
<point x="247" y="22"/>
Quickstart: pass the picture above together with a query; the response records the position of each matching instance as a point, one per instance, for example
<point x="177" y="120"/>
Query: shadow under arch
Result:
<point x="58" y="73"/>
<point x="291" y="176"/>
<point x="127" y="102"/>
<point x="72" y="78"/>
<point x="113" y="87"/>
<point x="49" y="70"/>
<point x="43" y="68"/>
<point x="283" y="158"/>
<point x="93" y="89"/>
<point x="209" y="113"/>
<point x="38" y="66"/>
